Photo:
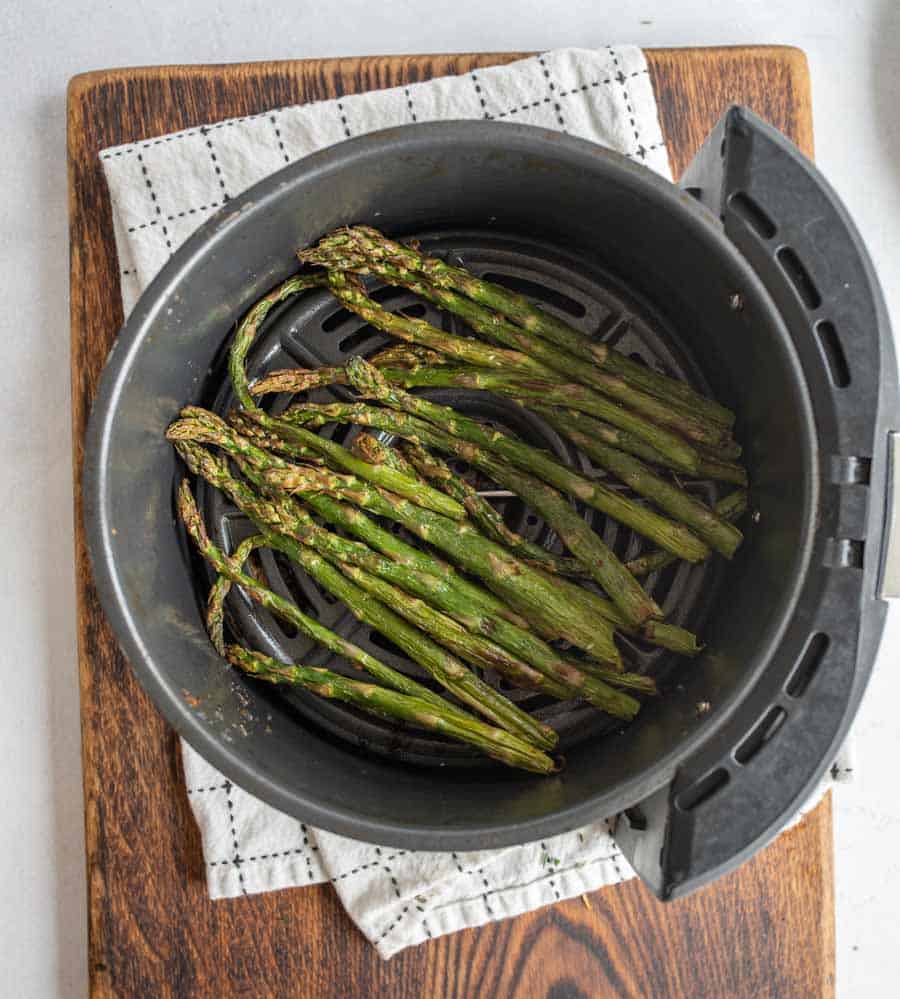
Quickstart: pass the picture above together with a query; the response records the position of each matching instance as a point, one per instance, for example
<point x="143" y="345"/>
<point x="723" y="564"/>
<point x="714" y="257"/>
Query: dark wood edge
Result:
<point x="87" y="79"/>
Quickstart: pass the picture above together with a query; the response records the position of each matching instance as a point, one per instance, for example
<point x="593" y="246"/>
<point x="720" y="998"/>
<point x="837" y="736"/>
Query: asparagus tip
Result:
<point x="367" y="379"/>
<point x="189" y="514"/>
<point x="180" y="430"/>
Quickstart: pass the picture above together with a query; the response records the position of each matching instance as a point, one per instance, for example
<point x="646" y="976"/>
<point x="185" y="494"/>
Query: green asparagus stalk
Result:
<point x="636" y="607"/>
<point x="289" y="612"/>
<point x="385" y="476"/>
<point x="581" y="429"/>
<point x="659" y="633"/>
<point x="470" y="605"/>
<point x="477" y="354"/>
<point x="476" y="609"/>
<point x="488" y="655"/>
<point x="723" y="471"/>
<point x="300" y="379"/>
<point x="355" y="522"/>
<point x="720" y="535"/>
<point x="483" y="515"/>
<point x="414" y="571"/>
<point x="398" y="483"/>
<point x="452" y="636"/>
<point x="371" y="244"/>
<point x="412" y="429"/>
<point x="557" y="362"/>
<point x="215" y="604"/>
<point x="249" y="326"/>
<point x="534" y="389"/>
<point x="731" y="508"/>
<point x="408" y="355"/>
<point x="421" y="573"/>
<point x="284" y="516"/>
<point x="527" y="590"/>
<point x="371" y="449"/>
<point x="415" y="459"/>
<point x="553" y="403"/>
<point x="270" y="441"/>
<point x="452" y="674"/>
<point x="727" y="451"/>
<point x="350" y="293"/>
<point x="400" y="707"/>
<point x="638" y="682"/>
<point x="198" y="429"/>
<point x="667" y="534"/>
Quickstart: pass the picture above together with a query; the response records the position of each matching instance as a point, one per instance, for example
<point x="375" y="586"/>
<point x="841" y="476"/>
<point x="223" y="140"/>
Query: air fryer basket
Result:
<point x="761" y="294"/>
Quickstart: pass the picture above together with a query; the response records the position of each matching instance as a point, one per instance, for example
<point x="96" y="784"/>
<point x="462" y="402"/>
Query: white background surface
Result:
<point x="853" y="52"/>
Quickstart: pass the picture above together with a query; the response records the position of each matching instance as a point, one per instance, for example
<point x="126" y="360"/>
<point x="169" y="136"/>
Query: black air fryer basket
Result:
<point x="749" y="281"/>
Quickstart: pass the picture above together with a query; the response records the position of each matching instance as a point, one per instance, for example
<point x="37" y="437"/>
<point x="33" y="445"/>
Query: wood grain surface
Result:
<point x="766" y="930"/>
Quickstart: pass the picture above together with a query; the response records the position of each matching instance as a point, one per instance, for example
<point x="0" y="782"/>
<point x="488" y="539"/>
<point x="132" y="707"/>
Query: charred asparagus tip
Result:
<point x="367" y="379"/>
<point x="190" y="515"/>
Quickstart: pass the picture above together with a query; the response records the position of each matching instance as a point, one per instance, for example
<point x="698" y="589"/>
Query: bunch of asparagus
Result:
<point x="476" y="596"/>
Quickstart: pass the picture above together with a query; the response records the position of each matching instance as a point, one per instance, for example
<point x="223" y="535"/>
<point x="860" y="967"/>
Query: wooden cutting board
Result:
<point x="766" y="930"/>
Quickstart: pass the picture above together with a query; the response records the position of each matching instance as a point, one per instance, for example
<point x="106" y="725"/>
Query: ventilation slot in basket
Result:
<point x="336" y="319"/>
<point x="799" y="277"/>
<point x="539" y="293"/>
<point x="838" y="369"/>
<point x="747" y="209"/>
<point x="763" y="732"/>
<point x="351" y="343"/>
<point x="806" y="668"/>
<point x="702" y="790"/>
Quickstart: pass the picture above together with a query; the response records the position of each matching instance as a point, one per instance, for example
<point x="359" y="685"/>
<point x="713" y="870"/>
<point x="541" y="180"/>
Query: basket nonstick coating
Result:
<point x="578" y="221"/>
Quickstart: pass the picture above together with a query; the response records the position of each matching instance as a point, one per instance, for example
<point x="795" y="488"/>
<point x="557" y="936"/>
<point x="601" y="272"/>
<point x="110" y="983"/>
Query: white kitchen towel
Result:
<point x="161" y="190"/>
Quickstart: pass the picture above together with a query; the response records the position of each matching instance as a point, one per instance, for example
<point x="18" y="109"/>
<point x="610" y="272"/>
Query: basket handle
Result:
<point x="737" y="790"/>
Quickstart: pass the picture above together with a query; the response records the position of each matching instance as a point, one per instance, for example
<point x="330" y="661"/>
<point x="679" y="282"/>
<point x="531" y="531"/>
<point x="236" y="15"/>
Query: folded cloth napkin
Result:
<point x="161" y="190"/>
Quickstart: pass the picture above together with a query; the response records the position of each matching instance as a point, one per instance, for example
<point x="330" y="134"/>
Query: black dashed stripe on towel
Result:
<point x="641" y="150"/>
<point x="149" y="184"/>
<point x="236" y="860"/>
<point x="215" y="162"/>
<point x="409" y="104"/>
<point x="274" y="119"/>
<point x="551" y="86"/>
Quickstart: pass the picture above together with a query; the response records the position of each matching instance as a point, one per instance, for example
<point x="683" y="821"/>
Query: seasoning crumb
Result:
<point x="736" y="301"/>
<point x="703" y="707"/>
<point x="756" y="516"/>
